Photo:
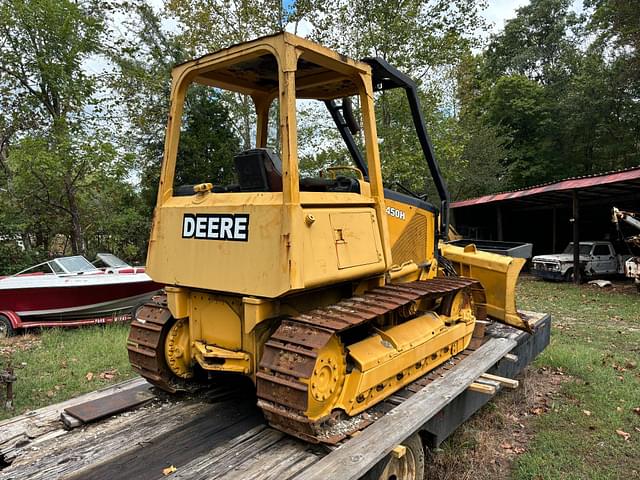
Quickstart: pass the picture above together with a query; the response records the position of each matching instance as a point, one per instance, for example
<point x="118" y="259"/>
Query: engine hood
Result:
<point x="559" y="257"/>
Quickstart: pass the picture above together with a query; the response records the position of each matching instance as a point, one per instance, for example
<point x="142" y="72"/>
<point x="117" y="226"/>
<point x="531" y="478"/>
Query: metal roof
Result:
<point x="619" y="184"/>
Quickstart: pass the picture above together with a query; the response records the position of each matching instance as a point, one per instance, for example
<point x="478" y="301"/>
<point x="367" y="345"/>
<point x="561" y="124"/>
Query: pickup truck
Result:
<point x="596" y="259"/>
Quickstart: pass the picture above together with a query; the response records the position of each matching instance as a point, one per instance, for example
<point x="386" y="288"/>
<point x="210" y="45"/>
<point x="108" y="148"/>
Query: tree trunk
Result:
<point x="77" y="239"/>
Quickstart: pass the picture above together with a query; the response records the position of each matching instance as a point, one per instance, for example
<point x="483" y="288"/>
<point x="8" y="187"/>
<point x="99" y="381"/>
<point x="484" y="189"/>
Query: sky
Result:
<point x="499" y="11"/>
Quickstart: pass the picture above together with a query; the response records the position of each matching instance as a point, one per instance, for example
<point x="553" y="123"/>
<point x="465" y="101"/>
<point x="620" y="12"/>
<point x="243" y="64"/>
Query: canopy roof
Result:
<point x="623" y="184"/>
<point x="251" y="68"/>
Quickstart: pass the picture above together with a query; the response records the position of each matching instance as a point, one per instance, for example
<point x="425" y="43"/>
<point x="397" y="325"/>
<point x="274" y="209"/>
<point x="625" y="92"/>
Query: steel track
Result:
<point x="290" y="354"/>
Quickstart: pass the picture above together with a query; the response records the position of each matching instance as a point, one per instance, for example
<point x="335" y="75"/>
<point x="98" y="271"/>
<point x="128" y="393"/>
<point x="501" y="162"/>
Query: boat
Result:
<point x="71" y="291"/>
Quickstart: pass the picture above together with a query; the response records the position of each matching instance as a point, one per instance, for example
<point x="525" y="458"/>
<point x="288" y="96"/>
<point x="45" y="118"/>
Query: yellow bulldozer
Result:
<point x="329" y="292"/>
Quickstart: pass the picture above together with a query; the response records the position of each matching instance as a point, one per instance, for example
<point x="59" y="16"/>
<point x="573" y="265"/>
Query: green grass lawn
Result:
<point x="596" y="341"/>
<point x="57" y="364"/>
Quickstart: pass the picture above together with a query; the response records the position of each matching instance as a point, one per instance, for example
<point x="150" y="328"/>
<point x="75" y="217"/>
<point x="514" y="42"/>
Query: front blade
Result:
<point x="498" y="274"/>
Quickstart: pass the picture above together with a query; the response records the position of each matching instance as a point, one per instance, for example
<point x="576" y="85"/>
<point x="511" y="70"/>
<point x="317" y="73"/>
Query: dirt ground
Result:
<point x="486" y="445"/>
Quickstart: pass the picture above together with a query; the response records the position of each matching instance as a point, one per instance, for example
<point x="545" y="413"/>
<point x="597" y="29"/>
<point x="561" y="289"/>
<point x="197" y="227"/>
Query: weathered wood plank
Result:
<point x="220" y="462"/>
<point x="482" y="388"/>
<point x="280" y="461"/>
<point x="84" y="447"/>
<point x="19" y="431"/>
<point x="360" y="454"/>
<point x="504" y="381"/>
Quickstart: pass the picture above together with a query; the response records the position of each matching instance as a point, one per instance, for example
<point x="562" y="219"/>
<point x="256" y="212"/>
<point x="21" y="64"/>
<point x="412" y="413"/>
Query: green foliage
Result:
<point x="142" y="82"/>
<point x="415" y="36"/>
<point x="54" y="150"/>
<point x="520" y="107"/>
<point x="45" y="42"/>
<point x="567" y="103"/>
<point x="210" y="25"/>
<point x="207" y="144"/>
<point x="538" y="43"/>
<point x="207" y="140"/>
<point x="426" y="40"/>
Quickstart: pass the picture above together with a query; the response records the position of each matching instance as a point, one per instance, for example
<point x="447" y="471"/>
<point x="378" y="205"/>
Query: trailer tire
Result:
<point x="6" y="329"/>
<point x="409" y="467"/>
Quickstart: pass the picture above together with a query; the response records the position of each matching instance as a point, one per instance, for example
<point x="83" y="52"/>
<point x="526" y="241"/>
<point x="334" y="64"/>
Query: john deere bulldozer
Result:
<point x="329" y="291"/>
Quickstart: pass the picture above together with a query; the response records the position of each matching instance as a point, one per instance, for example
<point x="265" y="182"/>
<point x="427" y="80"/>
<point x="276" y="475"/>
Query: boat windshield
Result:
<point x="77" y="264"/>
<point x="584" y="249"/>
<point x="110" y="260"/>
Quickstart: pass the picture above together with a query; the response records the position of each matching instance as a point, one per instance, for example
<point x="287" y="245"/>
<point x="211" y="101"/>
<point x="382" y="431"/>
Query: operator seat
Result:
<point x="258" y="170"/>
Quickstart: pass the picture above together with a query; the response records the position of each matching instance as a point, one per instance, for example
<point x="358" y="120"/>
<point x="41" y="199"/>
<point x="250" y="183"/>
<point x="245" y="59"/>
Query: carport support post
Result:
<point x="554" y="229"/>
<point x="499" y="222"/>
<point x="576" y="238"/>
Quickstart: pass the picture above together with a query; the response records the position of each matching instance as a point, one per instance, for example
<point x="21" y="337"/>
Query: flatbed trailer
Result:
<point x="220" y="433"/>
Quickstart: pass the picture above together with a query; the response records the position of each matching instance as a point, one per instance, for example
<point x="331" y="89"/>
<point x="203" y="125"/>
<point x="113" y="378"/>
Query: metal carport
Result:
<point x="553" y="214"/>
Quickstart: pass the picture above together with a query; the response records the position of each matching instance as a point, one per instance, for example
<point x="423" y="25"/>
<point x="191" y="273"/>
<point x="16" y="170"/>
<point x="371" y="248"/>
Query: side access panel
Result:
<point x="340" y="244"/>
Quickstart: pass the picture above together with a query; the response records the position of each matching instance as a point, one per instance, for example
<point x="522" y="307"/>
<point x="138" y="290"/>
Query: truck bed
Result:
<point x="221" y="433"/>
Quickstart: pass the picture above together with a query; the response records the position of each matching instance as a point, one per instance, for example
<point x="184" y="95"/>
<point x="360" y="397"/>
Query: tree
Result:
<point x="210" y="25"/>
<point x="616" y="23"/>
<point x="207" y="144"/>
<point x="41" y="54"/>
<point x="538" y="43"/>
<point x="521" y="108"/>
<point x="142" y="80"/>
<point x="568" y="102"/>
<point x="424" y="40"/>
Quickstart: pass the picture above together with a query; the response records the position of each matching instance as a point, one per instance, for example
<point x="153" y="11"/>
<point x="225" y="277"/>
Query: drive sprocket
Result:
<point x="147" y="350"/>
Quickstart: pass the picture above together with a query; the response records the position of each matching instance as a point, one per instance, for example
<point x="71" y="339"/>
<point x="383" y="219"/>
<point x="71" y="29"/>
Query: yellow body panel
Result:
<point x="410" y="233"/>
<point x="385" y="370"/>
<point x="277" y="257"/>
<point x="342" y="243"/>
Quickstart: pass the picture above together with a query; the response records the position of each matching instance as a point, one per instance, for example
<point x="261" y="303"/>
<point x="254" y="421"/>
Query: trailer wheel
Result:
<point x="409" y="466"/>
<point x="6" y="330"/>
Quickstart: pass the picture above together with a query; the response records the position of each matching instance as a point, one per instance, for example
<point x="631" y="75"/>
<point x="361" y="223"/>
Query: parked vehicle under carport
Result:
<point x="597" y="259"/>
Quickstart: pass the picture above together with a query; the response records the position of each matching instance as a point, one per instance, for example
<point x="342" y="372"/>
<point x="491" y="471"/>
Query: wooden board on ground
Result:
<point x="119" y="402"/>
<point x="18" y="432"/>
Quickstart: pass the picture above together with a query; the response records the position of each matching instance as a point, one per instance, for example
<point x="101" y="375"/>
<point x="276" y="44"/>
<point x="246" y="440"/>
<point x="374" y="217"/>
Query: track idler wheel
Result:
<point x="326" y="382"/>
<point x="458" y="307"/>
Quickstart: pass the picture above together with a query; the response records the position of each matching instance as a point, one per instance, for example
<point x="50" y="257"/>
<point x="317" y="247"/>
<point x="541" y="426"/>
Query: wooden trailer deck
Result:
<point x="221" y="433"/>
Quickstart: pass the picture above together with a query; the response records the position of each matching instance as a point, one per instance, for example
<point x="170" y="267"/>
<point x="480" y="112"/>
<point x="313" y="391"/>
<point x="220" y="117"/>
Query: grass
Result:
<point x="596" y="340"/>
<point x="58" y="364"/>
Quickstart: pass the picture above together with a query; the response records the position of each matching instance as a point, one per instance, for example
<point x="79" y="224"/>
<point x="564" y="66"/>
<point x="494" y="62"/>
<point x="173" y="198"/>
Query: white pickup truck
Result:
<point x="596" y="259"/>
